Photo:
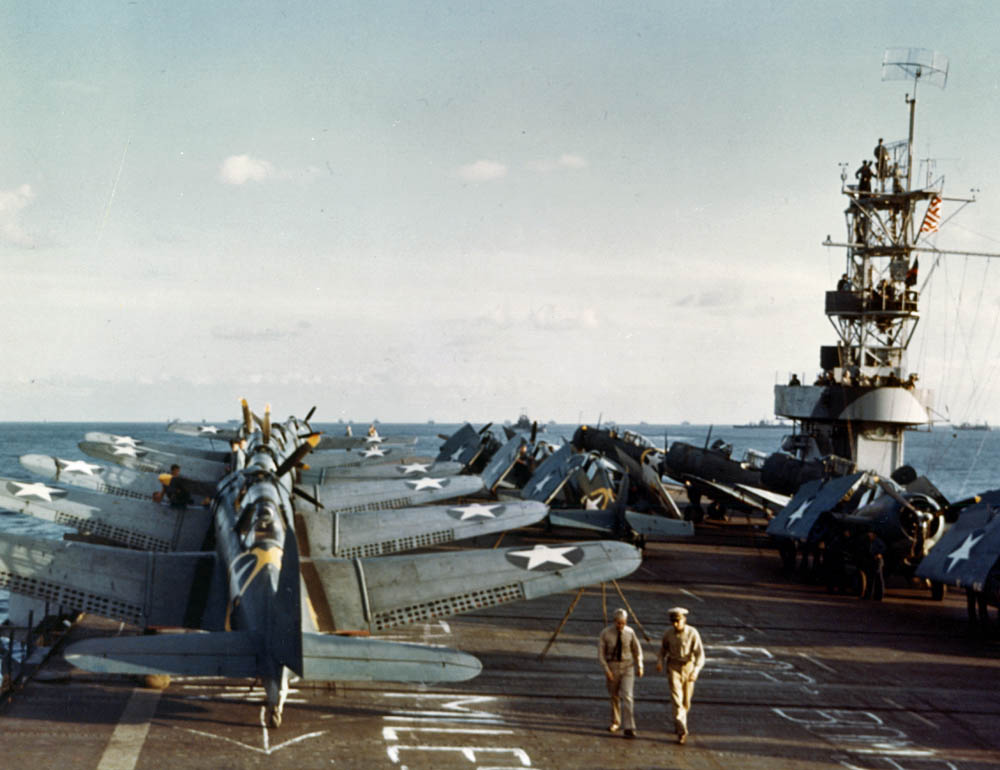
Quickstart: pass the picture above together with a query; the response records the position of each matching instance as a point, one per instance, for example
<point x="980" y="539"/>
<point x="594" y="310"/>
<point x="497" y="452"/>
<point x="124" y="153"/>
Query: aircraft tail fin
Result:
<point x="220" y="653"/>
<point x="348" y="658"/>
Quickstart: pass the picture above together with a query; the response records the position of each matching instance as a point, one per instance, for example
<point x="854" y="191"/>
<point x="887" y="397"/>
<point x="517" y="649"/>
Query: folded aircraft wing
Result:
<point x="402" y="470"/>
<point x="125" y="521"/>
<point x="553" y="473"/>
<point x="145" y="588"/>
<point x="814" y="498"/>
<point x="379" y="593"/>
<point x="502" y="461"/>
<point x="398" y="493"/>
<point x="234" y="654"/>
<point x="968" y="550"/>
<point x="152" y="461"/>
<point x="204" y="430"/>
<point x="111" y="480"/>
<point x="756" y="498"/>
<point x="181" y="450"/>
<point x="375" y="533"/>
<point x="463" y="446"/>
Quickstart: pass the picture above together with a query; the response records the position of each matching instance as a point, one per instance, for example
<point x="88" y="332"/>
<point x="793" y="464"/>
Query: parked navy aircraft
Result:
<point x="859" y="528"/>
<point x="636" y="454"/>
<point x="968" y="555"/>
<point x="264" y="605"/>
<point x="470" y="447"/>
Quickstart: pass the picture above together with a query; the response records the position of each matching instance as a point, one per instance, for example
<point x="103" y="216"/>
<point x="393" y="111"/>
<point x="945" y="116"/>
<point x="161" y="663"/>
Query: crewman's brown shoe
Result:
<point x="614" y="728"/>
<point x="630" y="733"/>
<point x="682" y="738"/>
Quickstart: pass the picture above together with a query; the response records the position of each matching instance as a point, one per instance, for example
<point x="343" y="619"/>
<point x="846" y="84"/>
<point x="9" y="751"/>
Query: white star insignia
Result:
<point x="124" y="441"/>
<point x="208" y="429"/>
<point x="414" y="468"/>
<point x="77" y="466"/>
<point x="964" y="550"/>
<point x="592" y="503"/>
<point x="543" y="554"/>
<point x="798" y="514"/>
<point x="128" y="451"/>
<point x="541" y="484"/>
<point x="477" y="510"/>
<point x="373" y="452"/>
<point x="37" y="489"/>
<point x="426" y="483"/>
<point x="376" y="439"/>
<point x="456" y="454"/>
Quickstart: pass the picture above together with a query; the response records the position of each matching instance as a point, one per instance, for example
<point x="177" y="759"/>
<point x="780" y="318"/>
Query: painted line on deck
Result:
<point x="129" y="735"/>
<point x="692" y="595"/>
<point x="813" y="660"/>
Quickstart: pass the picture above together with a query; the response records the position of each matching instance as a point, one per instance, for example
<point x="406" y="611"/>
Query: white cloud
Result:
<point x="237" y="169"/>
<point x="567" y="160"/>
<point x="12" y="202"/>
<point x="483" y="171"/>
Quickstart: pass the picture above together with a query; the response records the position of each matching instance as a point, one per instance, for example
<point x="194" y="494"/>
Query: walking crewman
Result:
<point x="620" y="655"/>
<point x="684" y="656"/>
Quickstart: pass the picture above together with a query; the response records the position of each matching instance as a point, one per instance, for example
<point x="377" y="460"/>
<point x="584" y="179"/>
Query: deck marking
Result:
<point x="692" y="595"/>
<point x="129" y="735"/>
<point x="392" y="733"/>
<point x="813" y="660"/>
<point x="247" y="746"/>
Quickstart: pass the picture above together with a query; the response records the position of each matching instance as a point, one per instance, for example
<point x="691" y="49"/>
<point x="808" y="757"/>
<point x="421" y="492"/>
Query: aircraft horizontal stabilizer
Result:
<point x="346" y="658"/>
<point x="231" y="654"/>
<point x="605" y="521"/>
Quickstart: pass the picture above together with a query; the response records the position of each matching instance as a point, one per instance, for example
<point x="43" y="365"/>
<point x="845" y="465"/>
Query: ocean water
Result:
<point x="960" y="463"/>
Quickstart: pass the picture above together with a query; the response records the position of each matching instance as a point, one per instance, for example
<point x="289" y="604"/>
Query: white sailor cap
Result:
<point x="677" y="612"/>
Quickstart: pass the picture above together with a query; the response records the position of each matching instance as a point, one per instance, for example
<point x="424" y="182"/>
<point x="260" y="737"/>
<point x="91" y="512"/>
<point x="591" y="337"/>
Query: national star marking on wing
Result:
<point x="414" y="468"/>
<point x="128" y="451"/>
<point x="78" y="466"/>
<point x="124" y="441"/>
<point x="477" y="510"/>
<point x="38" y="489"/>
<point x="543" y="554"/>
<point x="964" y="550"/>
<point x="426" y="483"/>
<point x="798" y="514"/>
<point x="373" y="452"/>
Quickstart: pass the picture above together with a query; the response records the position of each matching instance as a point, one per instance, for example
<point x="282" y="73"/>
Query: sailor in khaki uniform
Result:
<point x="620" y="655"/>
<point x="684" y="656"/>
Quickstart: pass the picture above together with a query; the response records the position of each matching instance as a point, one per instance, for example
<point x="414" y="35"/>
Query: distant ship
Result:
<point x="972" y="426"/>
<point x="523" y="423"/>
<point x="764" y="424"/>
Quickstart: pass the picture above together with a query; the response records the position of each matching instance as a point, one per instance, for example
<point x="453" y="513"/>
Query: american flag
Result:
<point x="933" y="216"/>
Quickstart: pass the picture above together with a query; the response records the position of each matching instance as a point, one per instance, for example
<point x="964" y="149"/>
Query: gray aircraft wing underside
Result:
<point x="463" y="446"/>
<point x="156" y="446"/>
<point x="111" y="480"/>
<point x="969" y="549"/>
<point x="376" y="533"/>
<point x="503" y="461"/>
<point x="151" y="461"/>
<point x="607" y="521"/>
<point x="553" y="473"/>
<point x="396" y="493"/>
<point x="401" y="470"/>
<point x="145" y="588"/>
<point x="118" y="520"/>
<point x="380" y="593"/>
<point x="814" y="498"/>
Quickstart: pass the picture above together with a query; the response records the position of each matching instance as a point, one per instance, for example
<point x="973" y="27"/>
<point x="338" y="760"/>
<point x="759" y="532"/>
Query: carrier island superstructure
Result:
<point x="865" y="398"/>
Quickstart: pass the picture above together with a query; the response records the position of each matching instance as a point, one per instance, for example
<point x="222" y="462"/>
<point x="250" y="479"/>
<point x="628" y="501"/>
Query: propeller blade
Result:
<point x="310" y="414"/>
<point x="265" y="426"/>
<point x="534" y="431"/>
<point x="300" y="451"/>
<point x="307" y="496"/>
<point x="247" y="420"/>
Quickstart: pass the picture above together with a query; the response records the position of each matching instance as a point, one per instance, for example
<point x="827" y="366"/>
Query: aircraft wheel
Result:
<point x="937" y="591"/>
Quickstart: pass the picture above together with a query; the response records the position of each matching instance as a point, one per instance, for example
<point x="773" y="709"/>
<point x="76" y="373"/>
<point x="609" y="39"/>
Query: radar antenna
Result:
<point x="919" y="64"/>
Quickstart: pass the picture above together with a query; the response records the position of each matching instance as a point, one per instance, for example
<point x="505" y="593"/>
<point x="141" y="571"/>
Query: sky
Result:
<point x="458" y="211"/>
